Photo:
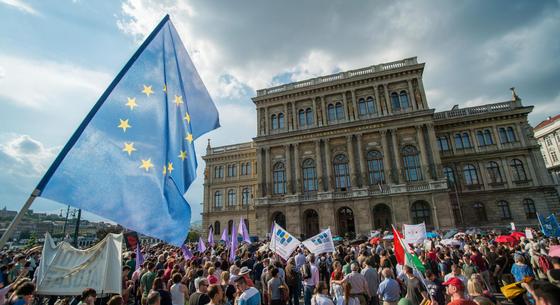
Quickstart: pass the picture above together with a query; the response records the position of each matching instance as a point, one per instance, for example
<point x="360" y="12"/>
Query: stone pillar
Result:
<point x="387" y="100"/>
<point x="531" y="168"/>
<point x="423" y="152"/>
<point x="294" y="117"/>
<point x="422" y="93"/>
<point x="286" y="125"/>
<point x="386" y="161"/>
<point x="288" y="169"/>
<point x="319" y="165"/>
<point x="472" y="135"/>
<point x="380" y="110"/>
<point x="397" y="156"/>
<point x="506" y="172"/>
<point x="268" y="172"/>
<point x="346" y="108"/>
<point x="436" y="158"/>
<point x="266" y="122"/>
<point x="324" y="112"/>
<point x="297" y="169"/>
<point x="317" y="120"/>
<point x="354" y="103"/>
<point x="330" y="175"/>
<point x="351" y="161"/>
<point x="521" y="134"/>
<point x="411" y="95"/>
<point x="497" y="137"/>
<point x="362" y="160"/>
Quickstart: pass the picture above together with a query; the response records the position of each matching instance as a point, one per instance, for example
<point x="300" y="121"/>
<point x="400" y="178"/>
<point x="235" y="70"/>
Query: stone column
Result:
<point x="521" y="135"/>
<point x="285" y="117"/>
<point x="288" y="169"/>
<point x="346" y="108"/>
<point x="324" y="112"/>
<point x="497" y="136"/>
<point x="294" y="116"/>
<point x="411" y="95"/>
<point x="531" y="170"/>
<point x="472" y="135"/>
<point x="380" y="110"/>
<point x="266" y="122"/>
<point x="317" y="120"/>
<point x="387" y="100"/>
<point x="268" y="172"/>
<point x="330" y="175"/>
<point x="422" y="93"/>
<point x="436" y="158"/>
<point x="397" y="156"/>
<point x="386" y="161"/>
<point x="297" y="169"/>
<point x="319" y="165"/>
<point x="354" y="103"/>
<point x="506" y="173"/>
<point x="423" y="152"/>
<point x="362" y="160"/>
<point x="351" y="161"/>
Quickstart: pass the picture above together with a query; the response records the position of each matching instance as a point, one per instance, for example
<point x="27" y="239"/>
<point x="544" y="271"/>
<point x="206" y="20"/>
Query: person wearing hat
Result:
<point x="244" y="272"/>
<point x="456" y="291"/>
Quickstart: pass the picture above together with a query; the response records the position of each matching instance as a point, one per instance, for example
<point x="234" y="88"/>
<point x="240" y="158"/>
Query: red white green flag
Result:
<point x="404" y="255"/>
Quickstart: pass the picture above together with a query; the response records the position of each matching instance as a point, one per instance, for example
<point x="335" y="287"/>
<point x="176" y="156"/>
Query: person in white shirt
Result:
<point x="321" y="295"/>
<point x="310" y="275"/>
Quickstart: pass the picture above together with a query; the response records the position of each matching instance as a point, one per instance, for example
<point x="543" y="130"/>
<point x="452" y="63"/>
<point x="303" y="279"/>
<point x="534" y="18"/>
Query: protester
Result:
<point x="456" y="290"/>
<point x="310" y="275"/>
<point x="389" y="291"/>
<point x="178" y="290"/>
<point x="320" y="296"/>
<point x="215" y="294"/>
<point x="246" y="295"/>
<point x="25" y="293"/>
<point x="200" y="297"/>
<point x="274" y="289"/>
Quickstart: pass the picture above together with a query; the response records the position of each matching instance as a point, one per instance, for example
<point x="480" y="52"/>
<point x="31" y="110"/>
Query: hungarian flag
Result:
<point x="404" y="255"/>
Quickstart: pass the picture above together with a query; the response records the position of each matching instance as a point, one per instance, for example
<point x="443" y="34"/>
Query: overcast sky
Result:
<point x="57" y="57"/>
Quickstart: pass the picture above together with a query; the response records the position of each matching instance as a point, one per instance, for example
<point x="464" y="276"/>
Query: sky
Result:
<point x="57" y="57"/>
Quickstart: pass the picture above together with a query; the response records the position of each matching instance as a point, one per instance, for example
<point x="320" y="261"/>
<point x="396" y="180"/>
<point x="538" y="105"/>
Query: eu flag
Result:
<point x="132" y="158"/>
<point x="549" y="225"/>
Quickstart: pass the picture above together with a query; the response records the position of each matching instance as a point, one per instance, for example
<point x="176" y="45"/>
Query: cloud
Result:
<point x="23" y="156"/>
<point x="20" y="5"/>
<point x="42" y="84"/>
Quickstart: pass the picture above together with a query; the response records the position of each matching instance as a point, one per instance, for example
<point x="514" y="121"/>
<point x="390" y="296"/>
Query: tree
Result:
<point x="32" y="240"/>
<point x="101" y="233"/>
<point x="193" y="236"/>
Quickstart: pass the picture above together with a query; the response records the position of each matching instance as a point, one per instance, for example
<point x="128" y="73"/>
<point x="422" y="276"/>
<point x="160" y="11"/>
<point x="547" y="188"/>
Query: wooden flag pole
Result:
<point x="18" y="218"/>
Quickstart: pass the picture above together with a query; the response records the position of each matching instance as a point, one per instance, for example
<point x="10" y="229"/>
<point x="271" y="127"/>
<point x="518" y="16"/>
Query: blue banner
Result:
<point x="549" y="225"/>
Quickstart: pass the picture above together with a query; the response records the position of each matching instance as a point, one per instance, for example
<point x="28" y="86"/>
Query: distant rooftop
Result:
<point x="339" y="76"/>
<point x="547" y="122"/>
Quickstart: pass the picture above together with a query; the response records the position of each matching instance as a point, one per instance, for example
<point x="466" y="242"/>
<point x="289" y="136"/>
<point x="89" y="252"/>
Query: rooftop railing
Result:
<point x="476" y="110"/>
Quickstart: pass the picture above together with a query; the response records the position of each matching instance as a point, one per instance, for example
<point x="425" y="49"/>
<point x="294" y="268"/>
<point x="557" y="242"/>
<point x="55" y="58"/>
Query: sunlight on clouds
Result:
<point x="22" y="6"/>
<point x="23" y="156"/>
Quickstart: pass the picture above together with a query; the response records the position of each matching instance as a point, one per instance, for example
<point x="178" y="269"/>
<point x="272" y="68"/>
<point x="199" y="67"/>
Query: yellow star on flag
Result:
<point x="131" y="103"/>
<point x="164" y="87"/>
<point x="147" y="164"/>
<point x="164" y="170"/>
<point x="189" y="137"/>
<point x="124" y="125"/>
<point x="178" y="100"/>
<point x="187" y="117"/>
<point x="170" y="167"/>
<point x="183" y="155"/>
<point x="129" y="148"/>
<point x="147" y="90"/>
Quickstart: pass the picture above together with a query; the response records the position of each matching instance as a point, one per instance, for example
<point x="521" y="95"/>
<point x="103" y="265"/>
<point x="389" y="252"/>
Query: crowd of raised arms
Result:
<point x="473" y="270"/>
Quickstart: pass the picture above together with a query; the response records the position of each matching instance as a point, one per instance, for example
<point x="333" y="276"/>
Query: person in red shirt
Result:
<point x="456" y="290"/>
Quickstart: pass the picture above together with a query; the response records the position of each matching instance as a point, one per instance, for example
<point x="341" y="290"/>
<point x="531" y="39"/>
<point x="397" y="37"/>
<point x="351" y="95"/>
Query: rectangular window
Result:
<point x="554" y="156"/>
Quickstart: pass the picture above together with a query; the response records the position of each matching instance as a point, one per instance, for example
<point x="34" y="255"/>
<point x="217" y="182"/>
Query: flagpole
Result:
<point x="18" y="218"/>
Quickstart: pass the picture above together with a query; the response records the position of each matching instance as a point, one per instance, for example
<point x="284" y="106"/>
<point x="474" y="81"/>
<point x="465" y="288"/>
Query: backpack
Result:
<point x="544" y="264"/>
<point x="306" y="271"/>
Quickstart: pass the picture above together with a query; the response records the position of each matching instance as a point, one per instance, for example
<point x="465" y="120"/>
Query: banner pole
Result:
<point x="18" y="218"/>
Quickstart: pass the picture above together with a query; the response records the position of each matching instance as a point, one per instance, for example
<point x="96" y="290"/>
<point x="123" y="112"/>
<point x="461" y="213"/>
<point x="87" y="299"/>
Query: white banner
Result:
<point x="320" y="243"/>
<point x="282" y="242"/>
<point x="415" y="233"/>
<point x="512" y="226"/>
<point x="65" y="270"/>
<point x="529" y="233"/>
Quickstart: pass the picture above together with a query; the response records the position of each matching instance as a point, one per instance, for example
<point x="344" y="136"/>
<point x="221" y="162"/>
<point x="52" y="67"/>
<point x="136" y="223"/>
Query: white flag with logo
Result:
<point x="320" y="243"/>
<point x="529" y="233"/>
<point x="282" y="242"/>
<point x="415" y="233"/>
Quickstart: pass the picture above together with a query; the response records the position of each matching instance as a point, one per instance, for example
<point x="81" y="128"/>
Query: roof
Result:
<point x="547" y="122"/>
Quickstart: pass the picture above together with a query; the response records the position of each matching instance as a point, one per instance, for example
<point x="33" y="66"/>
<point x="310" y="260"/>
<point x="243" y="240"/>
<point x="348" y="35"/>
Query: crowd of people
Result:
<point x="473" y="270"/>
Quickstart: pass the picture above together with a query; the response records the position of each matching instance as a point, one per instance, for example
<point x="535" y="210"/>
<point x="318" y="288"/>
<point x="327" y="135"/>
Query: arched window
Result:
<point x="404" y="100"/>
<point x="458" y="141"/>
<point x="470" y="174"/>
<point x="503" y="135"/>
<point x="279" y="178"/>
<point x="375" y="167"/>
<point x="449" y="174"/>
<point x="339" y="111"/>
<point x="480" y="211"/>
<point x="362" y="106"/>
<point x="245" y="196"/>
<point x="230" y="226"/>
<point x="411" y="163"/>
<point x="420" y="211"/>
<point x="511" y="135"/>
<point x="309" y="176"/>
<point x="331" y="114"/>
<point x="371" y="109"/>
<point x="281" y="121"/>
<point x="346" y="221"/>
<point x="529" y="207"/>
<point x="518" y="170"/>
<point x="494" y="172"/>
<point x="218" y="200"/>
<point x="309" y="116"/>
<point x="217" y="172"/>
<point x="466" y="140"/>
<point x="488" y="137"/>
<point x="505" y="212"/>
<point x="232" y="170"/>
<point x="480" y="138"/>
<point x="341" y="175"/>
<point x="443" y="143"/>
<point x="248" y="168"/>
<point x="274" y="121"/>
<point x="301" y="117"/>
<point x="395" y="101"/>
<point x="231" y="198"/>
<point x="217" y="228"/>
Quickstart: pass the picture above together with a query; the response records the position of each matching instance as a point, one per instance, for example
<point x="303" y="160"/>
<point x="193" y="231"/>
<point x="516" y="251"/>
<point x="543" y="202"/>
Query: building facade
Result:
<point x="362" y="149"/>
<point x="547" y="134"/>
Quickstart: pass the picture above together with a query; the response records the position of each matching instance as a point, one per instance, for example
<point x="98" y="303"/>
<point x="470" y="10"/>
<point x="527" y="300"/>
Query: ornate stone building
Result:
<point x="362" y="149"/>
<point x="547" y="133"/>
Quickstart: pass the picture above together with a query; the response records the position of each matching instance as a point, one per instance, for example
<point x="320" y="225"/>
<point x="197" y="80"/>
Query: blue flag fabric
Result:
<point x="132" y="158"/>
<point x="549" y="225"/>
